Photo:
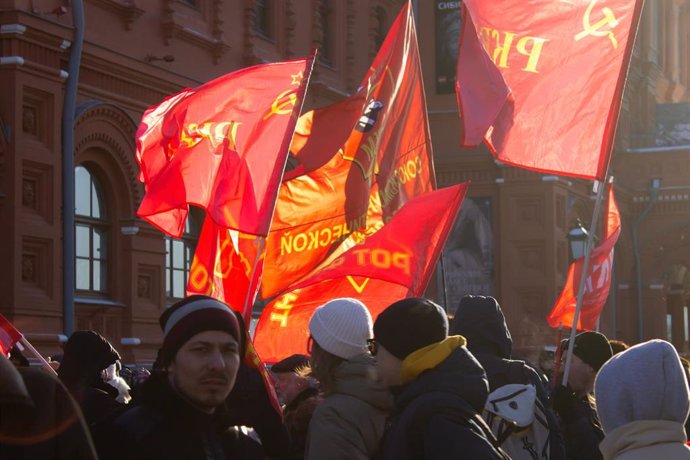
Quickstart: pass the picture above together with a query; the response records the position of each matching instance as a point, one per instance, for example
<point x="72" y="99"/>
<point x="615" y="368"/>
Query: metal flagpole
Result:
<point x="249" y="299"/>
<point x="443" y="282"/>
<point x="26" y="344"/>
<point x="599" y="188"/>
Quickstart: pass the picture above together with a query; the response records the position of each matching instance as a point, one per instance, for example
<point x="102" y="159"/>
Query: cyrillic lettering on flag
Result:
<point x="564" y="65"/>
<point x="222" y="147"/>
<point x="394" y="263"/>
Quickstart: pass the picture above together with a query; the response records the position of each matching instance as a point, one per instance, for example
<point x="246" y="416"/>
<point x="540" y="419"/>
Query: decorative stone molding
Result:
<point x="127" y="10"/>
<point x="290" y="28"/>
<point x="248" y="54"/>
<point x="213" y="42"/>
<point x="119" y="138"/>
<point x="351" y="80"/>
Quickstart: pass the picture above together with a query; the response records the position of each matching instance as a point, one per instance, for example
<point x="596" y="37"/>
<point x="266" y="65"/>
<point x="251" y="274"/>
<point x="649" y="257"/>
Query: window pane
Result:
<point x="82" y="241"/>
<point x="95" y="202"/>
<point x="82" y="275"/>
<point x="178" y="253"/>
<point x="168" y="287"/>
<point x="100" y="246"/>
<point x="98" y="284"/>
<point x="187" y="256"/>
<point x="82" y="183"/>
<point x="178" y="283"/>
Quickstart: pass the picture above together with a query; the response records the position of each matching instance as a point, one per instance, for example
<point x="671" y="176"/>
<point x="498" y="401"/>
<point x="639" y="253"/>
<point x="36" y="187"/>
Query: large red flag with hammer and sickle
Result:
<point x="541" y="80"/>
<point x="221" y="146"/>
<point x="360" y="160"/>
<point x="394" y="263"/>
<point x="598" y="278"/>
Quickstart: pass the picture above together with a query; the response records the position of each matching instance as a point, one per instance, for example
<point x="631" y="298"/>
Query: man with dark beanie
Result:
<point x="574" y="404"/>
<point x="480" y="320"/>
<point x="181" y="412"/>
<point x="439" y="387"/>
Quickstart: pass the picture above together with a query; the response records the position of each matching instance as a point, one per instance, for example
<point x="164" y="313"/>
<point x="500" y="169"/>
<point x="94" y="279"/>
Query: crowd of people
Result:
<point x="409" y="385"/>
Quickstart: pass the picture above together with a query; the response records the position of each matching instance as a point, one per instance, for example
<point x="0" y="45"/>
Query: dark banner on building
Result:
<point x="468" y="266"/>
<point x="447" y="36"/>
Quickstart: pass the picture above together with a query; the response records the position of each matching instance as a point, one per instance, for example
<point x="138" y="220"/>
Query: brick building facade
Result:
<point x="136" y="53"/>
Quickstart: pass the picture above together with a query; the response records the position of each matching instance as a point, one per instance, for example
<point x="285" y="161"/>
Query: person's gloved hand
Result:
<point x="565" y="402"/>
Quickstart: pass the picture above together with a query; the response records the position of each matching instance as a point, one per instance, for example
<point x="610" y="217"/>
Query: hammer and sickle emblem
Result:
<point x="283" y="104"/>
<point x="596" y="28"/>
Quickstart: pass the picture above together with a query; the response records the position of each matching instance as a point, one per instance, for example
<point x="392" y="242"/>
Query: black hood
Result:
<point x="480" y="320"/>
<point x="460" y="374"/>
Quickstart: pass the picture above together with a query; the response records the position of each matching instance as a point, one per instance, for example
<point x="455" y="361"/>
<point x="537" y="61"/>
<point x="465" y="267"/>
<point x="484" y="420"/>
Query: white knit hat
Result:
<point x="342" y="327"/>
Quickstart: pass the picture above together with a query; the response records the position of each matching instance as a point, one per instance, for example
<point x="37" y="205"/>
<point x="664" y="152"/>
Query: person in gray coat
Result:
<point x="643" y="402"/>
<point x="350" y="422"/>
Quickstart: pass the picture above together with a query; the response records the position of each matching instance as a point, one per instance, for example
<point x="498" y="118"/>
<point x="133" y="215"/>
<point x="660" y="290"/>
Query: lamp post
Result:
<point x="577" y="237"/>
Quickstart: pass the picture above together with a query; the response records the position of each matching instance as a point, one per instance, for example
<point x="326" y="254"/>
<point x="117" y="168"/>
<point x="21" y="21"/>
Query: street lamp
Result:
<point x="577" y="237"/>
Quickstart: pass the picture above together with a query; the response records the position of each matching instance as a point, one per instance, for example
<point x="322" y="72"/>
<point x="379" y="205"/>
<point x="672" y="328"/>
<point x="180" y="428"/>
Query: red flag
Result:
<point x="394" y="263"/>
<point x="565" y="64"/>
<point x="598" y="280"/>
<point x="360" y="159"/>
<point x="226" y="266"/>
<point x="221" y="146"/>
<point x="9" y="335"/>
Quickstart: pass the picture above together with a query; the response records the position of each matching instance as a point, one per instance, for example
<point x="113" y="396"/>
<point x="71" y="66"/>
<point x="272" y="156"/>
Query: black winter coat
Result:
<point x="432" y="419"/>
<point x="39" y="420"/>
<point x="164" y="426"/>
<point x="481" y="321"/>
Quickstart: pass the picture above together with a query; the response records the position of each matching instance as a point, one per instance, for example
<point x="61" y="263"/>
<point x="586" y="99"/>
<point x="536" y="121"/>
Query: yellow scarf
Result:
<point x="429" y="357"/>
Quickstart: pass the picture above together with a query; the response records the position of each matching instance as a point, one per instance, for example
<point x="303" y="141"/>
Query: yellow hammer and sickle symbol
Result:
<point x="595" y="29"/>
<point x="283" y="104"/>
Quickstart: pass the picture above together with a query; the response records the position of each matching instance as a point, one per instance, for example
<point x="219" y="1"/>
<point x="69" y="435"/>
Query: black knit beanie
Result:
<point x="410" y="324"/>
<point x="592" y="348"/>
<point x="191" y="316"/>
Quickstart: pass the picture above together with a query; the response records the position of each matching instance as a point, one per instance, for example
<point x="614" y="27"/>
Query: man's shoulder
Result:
<point x="139" y="421"/>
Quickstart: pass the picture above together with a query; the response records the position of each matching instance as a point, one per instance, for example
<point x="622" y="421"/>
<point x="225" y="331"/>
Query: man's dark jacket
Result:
<point x="164" y="426"/>
<point x="433" y="414"/>
<point x="481" y="321"/>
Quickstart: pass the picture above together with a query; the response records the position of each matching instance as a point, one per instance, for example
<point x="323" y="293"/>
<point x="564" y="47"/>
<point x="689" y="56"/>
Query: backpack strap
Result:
<point x="433" y="402"/>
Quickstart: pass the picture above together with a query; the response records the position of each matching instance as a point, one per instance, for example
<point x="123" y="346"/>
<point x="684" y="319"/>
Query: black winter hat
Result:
<point x="86" y="354"/>
<point x="591" y="347"/>
<point x="191" y="316"/>
<point x="410" y="324"/>
<point x="290" y="364"/>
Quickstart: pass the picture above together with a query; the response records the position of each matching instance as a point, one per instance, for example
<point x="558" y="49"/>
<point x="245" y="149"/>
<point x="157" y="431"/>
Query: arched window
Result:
<point x="264" y="14"/>
<point x="91" y="234"/>
<point x="178" y="258"/>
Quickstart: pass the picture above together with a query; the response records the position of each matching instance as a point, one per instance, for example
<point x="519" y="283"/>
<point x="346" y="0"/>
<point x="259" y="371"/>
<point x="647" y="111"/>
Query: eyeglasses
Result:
<point x="372" y="346"/>
<point x="310" y="344"/>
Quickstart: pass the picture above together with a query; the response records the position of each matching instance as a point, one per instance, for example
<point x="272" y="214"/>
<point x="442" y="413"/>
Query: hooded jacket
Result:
<point x="165" y="426"/>
<point x="349" y="423"/>
<point x="87" y="353"/>
<point x="642" y="400"/>
<point x="432" y="418"/>
<point x="480" y="320"/>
